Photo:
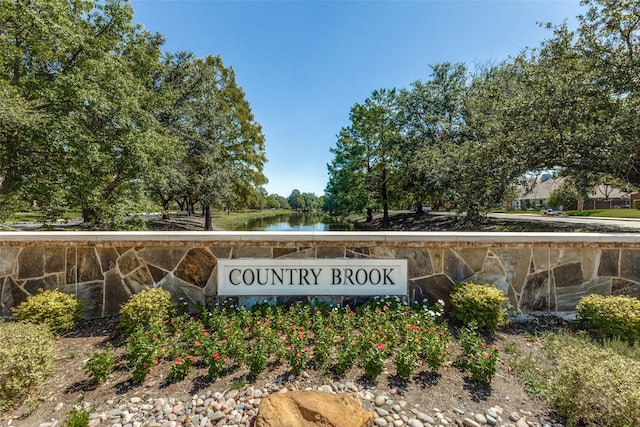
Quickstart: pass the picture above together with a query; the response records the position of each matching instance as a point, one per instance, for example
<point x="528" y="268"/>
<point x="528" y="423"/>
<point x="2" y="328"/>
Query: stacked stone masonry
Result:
<point x="546" y="272"/>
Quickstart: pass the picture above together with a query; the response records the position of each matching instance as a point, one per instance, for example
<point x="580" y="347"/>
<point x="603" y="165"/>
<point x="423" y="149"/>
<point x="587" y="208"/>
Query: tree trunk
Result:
<point x="208" y="225"/>
<point x="385" y="200"/>
<point x="89" y="215"/>
<point x="369" y="214"/>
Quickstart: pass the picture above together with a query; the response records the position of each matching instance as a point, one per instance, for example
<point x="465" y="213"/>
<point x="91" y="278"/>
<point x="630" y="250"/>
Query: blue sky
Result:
<point x="304" y="64"/>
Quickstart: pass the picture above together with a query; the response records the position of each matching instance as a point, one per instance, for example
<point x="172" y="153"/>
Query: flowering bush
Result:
<point x="227" y="337"/>
<point x="180" y="368"/>
<point x="373" y="361"/>
<point x="144" y="347"/>
<point x="406" y="360"/>
<point x="481" y="358"/>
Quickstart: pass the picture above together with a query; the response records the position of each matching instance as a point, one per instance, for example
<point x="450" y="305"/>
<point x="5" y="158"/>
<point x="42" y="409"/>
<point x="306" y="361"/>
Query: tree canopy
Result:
<point x="464" y="140"/>
<point x="93" y="117"/>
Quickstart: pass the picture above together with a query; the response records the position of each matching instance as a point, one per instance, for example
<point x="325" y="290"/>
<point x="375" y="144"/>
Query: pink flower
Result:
<point x="196" y="344"/>
<point x="206" y="333"/>
<point x="301" y="335"/>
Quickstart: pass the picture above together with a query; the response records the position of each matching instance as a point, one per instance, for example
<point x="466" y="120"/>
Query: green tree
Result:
<point x="85" y="71"/>
<point x="223" y="145"/>
<point x="365" y="164"/>
<point x="296" y="201"/>
<point x="432" y="117"/>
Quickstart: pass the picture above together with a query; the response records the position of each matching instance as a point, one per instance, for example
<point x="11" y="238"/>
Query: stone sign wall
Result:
<point x="537" y="271"/>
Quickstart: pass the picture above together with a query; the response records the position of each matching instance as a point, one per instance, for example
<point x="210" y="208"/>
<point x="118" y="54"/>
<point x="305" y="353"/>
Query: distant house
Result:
<point x="535" y="194"/>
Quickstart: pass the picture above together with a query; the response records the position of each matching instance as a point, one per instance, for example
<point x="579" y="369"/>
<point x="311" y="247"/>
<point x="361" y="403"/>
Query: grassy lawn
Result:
<point x="515" y="211"/>
<point x="610" y="213"/>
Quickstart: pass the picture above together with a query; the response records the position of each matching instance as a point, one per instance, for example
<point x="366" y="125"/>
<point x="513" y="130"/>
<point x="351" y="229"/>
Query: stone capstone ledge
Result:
<point x="539" y="272"/>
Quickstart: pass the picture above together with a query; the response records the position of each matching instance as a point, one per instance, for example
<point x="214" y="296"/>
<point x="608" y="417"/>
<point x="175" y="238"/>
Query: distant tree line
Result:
<point x="570" y="106"/>
<point x="95" y="117"/>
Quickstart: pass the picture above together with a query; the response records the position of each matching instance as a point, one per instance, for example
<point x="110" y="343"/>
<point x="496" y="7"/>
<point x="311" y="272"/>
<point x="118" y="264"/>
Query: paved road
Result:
<point x="630" y="223"/>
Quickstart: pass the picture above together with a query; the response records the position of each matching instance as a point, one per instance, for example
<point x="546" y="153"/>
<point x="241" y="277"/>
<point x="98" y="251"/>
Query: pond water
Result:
<point x="294" y="222"/>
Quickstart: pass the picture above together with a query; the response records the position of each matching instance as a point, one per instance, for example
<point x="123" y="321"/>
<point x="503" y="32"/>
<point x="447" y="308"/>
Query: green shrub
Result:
<point x="595" y="386"/>
<point x="26" y="359"/>
<point x="482" y="303"/>
<point x="77" y="418"/>
<point x="145" y="308"/>
<point x="612" y="316"/>
<point x="100" y="364"/>
<point x="57" y="310"/>
<point x="636" y="204"/>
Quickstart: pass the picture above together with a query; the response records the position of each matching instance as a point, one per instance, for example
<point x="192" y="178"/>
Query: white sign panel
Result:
<point x="312" y="276"/>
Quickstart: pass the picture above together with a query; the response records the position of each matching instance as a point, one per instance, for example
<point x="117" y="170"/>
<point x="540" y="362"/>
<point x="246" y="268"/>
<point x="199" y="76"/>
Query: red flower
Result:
<point x="206" y="333"/>
<point x="196" y="344"/>
<point x="301" y="335"/>
<point x="178" y="361"/>
<point x="380" y="347"/>
<point x="224" y="341"/>
<point x="191" y="359"/>
<point x="216" y="356"/>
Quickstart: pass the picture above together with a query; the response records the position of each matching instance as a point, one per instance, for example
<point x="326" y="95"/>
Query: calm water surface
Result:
<point x="294" y="222"/>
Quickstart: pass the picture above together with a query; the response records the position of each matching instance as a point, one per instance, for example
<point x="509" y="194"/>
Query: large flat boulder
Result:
<point x="313" y="409"/>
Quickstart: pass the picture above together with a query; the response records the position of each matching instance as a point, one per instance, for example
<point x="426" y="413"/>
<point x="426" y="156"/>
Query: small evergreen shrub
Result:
<point x="57" y="310"/>
<point x="26" y="359"/>
<point x="482" y="303"/>
<point x="595" y="386"/>
<point x="145" y="308"/>
<point x="612" y="316"/>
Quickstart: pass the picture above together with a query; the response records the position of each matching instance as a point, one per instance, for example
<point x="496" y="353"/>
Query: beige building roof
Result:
<point x="541" y="190"/>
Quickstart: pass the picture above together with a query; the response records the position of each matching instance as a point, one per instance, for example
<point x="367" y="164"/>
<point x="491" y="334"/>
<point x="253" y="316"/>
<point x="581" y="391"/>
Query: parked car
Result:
<point x="549" y="212"/>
